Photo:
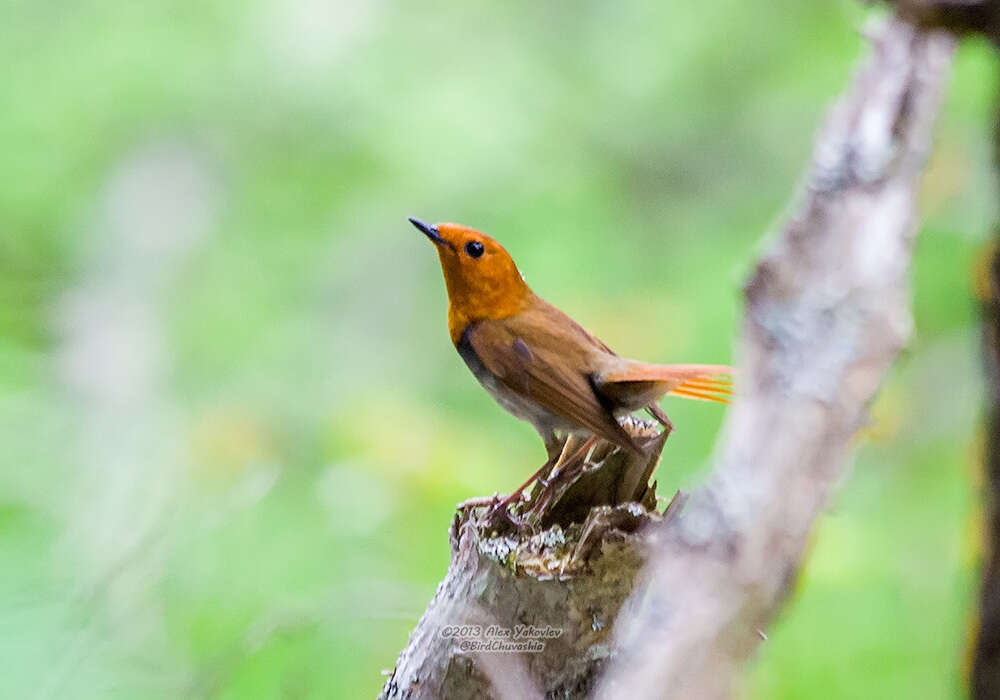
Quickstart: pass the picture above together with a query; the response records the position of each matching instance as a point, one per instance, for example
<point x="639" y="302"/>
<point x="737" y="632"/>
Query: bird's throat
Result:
<point x="466" y="309"/>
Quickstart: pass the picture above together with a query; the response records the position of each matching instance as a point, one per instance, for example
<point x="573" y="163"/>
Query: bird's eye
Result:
<point x="474" y="249"/>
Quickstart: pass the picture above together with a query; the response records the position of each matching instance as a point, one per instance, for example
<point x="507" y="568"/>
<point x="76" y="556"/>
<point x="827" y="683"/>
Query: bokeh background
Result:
<point x="232" y="426"/>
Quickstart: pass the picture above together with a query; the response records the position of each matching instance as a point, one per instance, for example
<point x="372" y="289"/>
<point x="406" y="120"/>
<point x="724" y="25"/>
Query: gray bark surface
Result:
<point x="828" y="310"/>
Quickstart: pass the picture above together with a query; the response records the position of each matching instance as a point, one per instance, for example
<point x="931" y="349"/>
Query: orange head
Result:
<point x="482" y="280"/>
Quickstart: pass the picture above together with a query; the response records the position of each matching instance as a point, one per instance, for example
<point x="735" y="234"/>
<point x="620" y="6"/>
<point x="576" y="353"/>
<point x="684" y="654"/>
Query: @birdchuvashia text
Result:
<point x="500" y="639"/>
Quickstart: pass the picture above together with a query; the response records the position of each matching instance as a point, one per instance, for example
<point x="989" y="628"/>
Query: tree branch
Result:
<point x="956" y="16"/>
<point x="827" y="313"/>
<point x="565" y="571"/>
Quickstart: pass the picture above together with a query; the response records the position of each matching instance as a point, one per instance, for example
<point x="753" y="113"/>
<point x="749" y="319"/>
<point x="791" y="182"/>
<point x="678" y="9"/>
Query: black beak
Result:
<point x="428" y="230"/>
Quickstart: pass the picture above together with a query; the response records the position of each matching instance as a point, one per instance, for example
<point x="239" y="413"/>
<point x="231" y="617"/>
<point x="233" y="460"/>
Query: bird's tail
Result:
<point x="700" y="382"/>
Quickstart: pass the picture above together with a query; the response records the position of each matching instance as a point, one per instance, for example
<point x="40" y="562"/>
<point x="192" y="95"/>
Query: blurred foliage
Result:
<point x="233" y="425"/>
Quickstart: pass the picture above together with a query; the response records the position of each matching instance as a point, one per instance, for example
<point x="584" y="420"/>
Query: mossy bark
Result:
<point x="553" y="585"/>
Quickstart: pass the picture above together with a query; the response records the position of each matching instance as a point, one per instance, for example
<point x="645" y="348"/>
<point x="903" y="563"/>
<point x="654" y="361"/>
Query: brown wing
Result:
<point x="547" y="369"/>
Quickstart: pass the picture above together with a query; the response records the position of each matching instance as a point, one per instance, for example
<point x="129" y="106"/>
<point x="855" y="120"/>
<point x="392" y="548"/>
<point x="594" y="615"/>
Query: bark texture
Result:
<point x="956" y="16"/>
<point x="567" y="570"/>
<point x="827" y="312"/>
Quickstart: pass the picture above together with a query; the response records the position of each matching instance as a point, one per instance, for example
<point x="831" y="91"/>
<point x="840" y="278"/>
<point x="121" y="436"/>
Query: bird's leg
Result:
<point x="537" y="476"/>
<point x="656" y="447"/>
<point x="554" y="447"/>
<point x="574" y="463"/>
<point x="656" y="412"/>
<point x="502" y="506"/>
<point x="563" y="454"/>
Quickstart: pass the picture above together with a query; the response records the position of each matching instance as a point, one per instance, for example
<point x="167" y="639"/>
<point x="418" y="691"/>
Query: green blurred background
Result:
<point x="233" y="427"/>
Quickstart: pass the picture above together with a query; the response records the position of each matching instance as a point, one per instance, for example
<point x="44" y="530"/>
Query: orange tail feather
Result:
<point x="700" y="382"/>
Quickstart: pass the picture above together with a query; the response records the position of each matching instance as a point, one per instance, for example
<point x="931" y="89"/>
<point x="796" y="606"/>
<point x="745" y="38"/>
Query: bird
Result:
<point x="541" y="365"/>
